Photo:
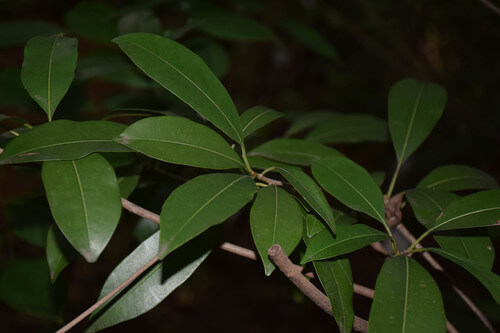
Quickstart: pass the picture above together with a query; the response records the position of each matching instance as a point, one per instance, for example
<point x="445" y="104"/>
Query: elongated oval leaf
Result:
<point x="185" y="75"/>
<point x="84" y="199"/>
<point x="351" y="184"/>
<point x="199" y="204"/>
<point x="58" y="252"/>
<point x="348" y="238"/>
<point x="311" y="39"/>
<point x="428" y="205"/>
<point x="48" y="69"/>
<point x="480" y="209"/>
<point x="309" y="120"/>
<point x="311" y="193"/>
<point x="456" y="178"/>
<point x="275" y="218"/>
<point x="63" y="140"/>
<point x="181" y="141"/>
<point x="489" y="279"/>
<point x="153" y="287"/>
<point x="336" y="278"/>
<point x="216" y="22"/>
<point x="257" y="117"/>
<point x="293" y="151"/>
<point x="405" y="293"/>
<point x="350" y="128"/>
<point x="414" y="109"/>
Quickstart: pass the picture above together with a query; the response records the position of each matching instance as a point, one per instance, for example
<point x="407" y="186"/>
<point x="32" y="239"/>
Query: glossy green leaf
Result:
<point x="348" y="238"/>
<point x="216" y="22"/>
<point x="350" y="184"/>
<point x="456" y="178"/>
<point x="313" y="225"/>
<point x="311" y="39"/>
<point x="185" y="75"/>
<point x="92" y="20"/>
<point x="350" y="128"/>
<point x="63" y="140"/>
<point x="152" y="287"/>
<point x="262" y="163"/>
<point x="48" y="69"/>
<point x="180" y="141"/>
<point x="85" y="201"/>
<point x="311" y="193"/>
<point x="293" y="151"/>
<point x="58" y="252"/>
<point x="25" y="286"/>
<point x="275" y="218"/>
<point x="414" y="109"/>
<point x="309" y="120"/>
<point x="428" y="205"/>
<point x="407" y="299"/>
<point x="480" y="209"/>
<point x="257" y="117"/>
<point x="199" y="204"/>
<point x="139" y="21"/>
<point x="18" y="32"/>
<point x="336" y="278"/>
<point x="212" y="53"/>
<point x="489" y="279"/>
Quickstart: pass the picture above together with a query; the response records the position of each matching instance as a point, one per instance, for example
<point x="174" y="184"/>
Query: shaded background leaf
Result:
<point x="456" y="178"/>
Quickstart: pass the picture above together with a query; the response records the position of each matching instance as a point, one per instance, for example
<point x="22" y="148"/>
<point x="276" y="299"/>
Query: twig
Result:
<point x="437" y="266"/>
<point x="103" y="300"/>
<point x="491" y="6"/>
<point x="139" y="211"/>
<point x="363" y="291"/>
<point x="288" y="268"/>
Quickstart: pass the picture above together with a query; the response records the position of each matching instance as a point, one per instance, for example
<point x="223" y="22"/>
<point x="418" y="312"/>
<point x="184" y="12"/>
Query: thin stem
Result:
<point x="267" y="170"/>
<point x="393" y="181"/>
<point x="245" y="160"/>
<point x="321" y="300"/>
<point x="418" y="240"/>
<point x="103" y="300"/>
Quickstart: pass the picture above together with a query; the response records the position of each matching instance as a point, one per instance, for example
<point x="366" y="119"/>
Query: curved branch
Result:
<point x="289" y="269"/>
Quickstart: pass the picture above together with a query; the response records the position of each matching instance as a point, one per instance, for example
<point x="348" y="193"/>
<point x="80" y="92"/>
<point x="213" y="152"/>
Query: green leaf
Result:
<point x="414" y="109"/>
<point x="313" y="225"/>
<point x="350" y="128"/>
<point x="456" y="178"/>
<point x="48" y="69"/>
<point x="258" y="162"/>
<point x="336" y="278"/>
<point x="293" y="151"/>
<point x="311" y="39"/>
<point x="489" y="279"/>
<point x="127" y="184"/>
<point x="216" y="22"/>
<point x="275" y="218"/>
<point x="63" y="140"/>
<point x="25" y="287"/>
<point x="185" y="75"/>
<point x="152" y="287"/>
<point x="480" y="209"/>
<point x="18" y="32"/>
<point x="257" y="117"/>
<point x="85" y="201"/>
<point x="309" y="120"/>
<point x="58" y="252"/>
<point x="350" y="184"/>
<point x="348" y="238"/>
<point x="199" y="204"/>
<point x="407" y="299"/>
<point x="180" y="141"/>
<point x="92" y="20"/>
<point x="428" y="205"/>
<point x="311" y="193"/>
<point x="139" y="21"/>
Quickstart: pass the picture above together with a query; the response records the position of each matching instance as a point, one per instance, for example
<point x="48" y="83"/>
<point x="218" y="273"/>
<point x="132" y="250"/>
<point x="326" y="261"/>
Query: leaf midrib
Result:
<point x="463" y="215"/>
<point x="343" y="241"/>
<point x="194" y="84"/>
<point x="254" y="119"/>
<point x="447" y="180"/>
<point x="84" y="203"/>
<point x="49" y="80"/>
<point x="410" y="126"/>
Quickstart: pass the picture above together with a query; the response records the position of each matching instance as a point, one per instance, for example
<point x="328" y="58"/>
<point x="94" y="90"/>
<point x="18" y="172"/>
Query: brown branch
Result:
<point x="139" y="211"/>
<point x="103" y="300"/>
<point x="295" y="276"/>
<point x="437" y="266"/>
<point x="491" y="6"/>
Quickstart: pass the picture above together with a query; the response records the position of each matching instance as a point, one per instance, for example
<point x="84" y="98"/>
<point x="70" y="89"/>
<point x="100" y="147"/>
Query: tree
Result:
<point x="304" y="199"/>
